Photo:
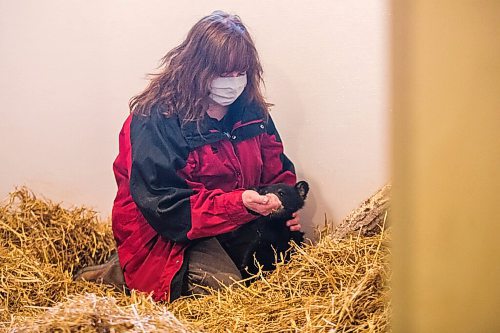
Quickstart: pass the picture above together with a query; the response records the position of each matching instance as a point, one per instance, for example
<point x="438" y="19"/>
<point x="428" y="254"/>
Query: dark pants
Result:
<point x="208" y="266"/>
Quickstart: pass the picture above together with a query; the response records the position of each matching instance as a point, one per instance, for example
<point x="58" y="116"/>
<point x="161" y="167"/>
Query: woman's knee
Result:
<point x="225" y="279"/>
<point x="202" y="284"/>
<point x="210" y="267"/>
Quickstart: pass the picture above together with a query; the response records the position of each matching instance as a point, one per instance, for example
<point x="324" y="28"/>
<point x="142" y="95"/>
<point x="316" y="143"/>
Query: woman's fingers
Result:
<point x="294" y="223"/>
<point x="274" y="202"/>
<point x="262" y="204"/>
<point x="266" y="204"/>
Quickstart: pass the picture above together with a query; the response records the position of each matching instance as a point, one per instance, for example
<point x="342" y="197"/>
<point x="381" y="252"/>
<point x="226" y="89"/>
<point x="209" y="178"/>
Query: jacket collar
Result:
<point x="209" y="130"/>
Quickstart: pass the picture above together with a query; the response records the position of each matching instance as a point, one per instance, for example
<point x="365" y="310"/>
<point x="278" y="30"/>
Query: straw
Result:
<point x="92" y="313"/>
<point x="329" y="287"/>
<point x="41" y="246"/>
<point x="332" y="286"/>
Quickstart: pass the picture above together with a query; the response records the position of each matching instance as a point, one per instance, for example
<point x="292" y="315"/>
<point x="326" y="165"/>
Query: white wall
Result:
<point x="68" y="69"/>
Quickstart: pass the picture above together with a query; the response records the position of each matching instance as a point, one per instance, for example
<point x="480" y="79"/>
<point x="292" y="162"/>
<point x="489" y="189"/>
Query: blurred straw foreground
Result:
<point x="336" y="285"/>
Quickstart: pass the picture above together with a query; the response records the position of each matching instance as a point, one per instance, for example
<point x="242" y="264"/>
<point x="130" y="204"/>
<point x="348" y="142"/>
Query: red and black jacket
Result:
<point x="177" y="184"/>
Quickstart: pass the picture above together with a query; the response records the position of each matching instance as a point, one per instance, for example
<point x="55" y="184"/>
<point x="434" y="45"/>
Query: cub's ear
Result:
<point x="303" y="188"/>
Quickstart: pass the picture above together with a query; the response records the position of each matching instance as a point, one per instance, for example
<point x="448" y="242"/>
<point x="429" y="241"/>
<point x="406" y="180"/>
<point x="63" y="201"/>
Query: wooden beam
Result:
<point x="446" y="165"/>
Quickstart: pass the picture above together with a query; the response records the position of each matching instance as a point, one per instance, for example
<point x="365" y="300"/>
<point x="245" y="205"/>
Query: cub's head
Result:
<point x="292" y="198"/>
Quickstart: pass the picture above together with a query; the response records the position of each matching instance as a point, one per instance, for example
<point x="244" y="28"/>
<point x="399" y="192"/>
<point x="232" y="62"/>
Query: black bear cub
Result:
<point x="267" y="238"/>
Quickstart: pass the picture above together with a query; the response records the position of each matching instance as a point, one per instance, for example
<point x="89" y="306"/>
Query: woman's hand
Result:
<point x="261" y="204"/>
<point x="294" y="224"/>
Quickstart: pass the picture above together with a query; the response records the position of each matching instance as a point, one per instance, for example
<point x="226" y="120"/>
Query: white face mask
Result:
<point x="225" y="90"/>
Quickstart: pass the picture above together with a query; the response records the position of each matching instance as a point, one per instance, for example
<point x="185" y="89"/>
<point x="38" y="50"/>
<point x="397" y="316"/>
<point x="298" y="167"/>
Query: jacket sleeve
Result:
<point x="277" y="167"/>
<point x="177" y="208"/>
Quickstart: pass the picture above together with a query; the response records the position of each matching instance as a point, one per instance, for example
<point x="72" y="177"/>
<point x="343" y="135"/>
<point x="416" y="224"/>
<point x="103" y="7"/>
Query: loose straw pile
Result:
<point x="328" y="287"/>
<point x="91" y="313"/>
<point x="41" y="246"/>
<point x="333" y="286"/>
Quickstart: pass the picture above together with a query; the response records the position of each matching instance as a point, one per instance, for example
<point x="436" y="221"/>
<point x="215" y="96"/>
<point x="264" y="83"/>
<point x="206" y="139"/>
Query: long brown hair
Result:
<point x="218" y="43"/>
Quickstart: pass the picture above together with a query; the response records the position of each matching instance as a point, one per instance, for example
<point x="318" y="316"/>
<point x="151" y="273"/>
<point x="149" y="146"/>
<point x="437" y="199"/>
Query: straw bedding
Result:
<point x="42" y="244"/>
<point x="332" y="286"/>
